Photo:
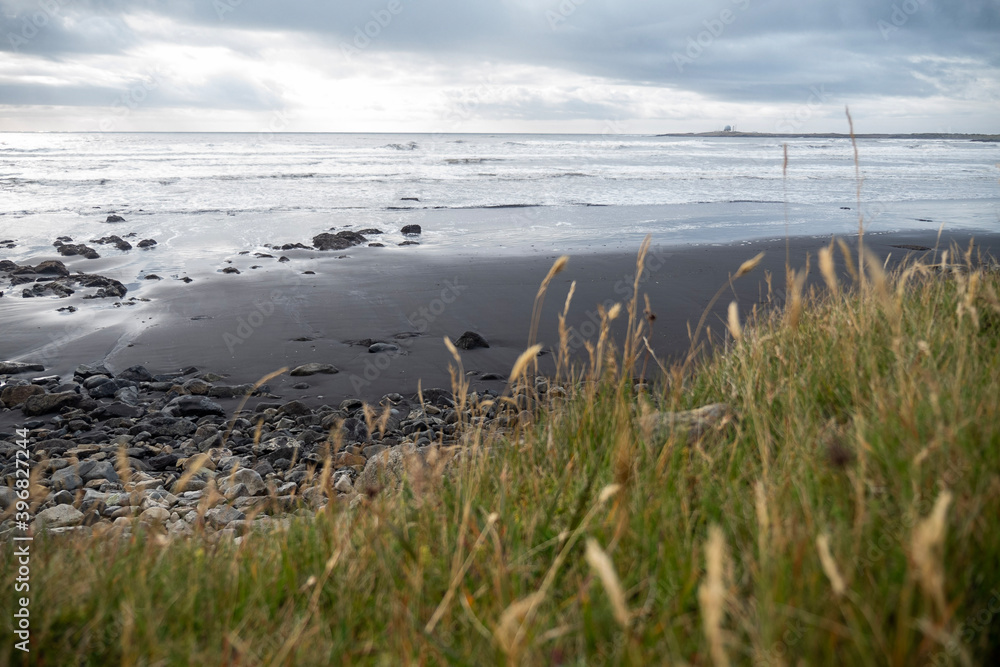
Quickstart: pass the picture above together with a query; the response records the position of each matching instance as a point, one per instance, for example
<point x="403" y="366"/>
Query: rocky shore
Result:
<point x="161" y="448"/>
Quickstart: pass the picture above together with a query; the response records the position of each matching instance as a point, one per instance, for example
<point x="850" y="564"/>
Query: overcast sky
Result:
<point x="632" y="66"/>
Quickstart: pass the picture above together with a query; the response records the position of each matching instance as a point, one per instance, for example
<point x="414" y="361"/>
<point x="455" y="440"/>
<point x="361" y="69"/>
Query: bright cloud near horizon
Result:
<point x="604" y="66"/>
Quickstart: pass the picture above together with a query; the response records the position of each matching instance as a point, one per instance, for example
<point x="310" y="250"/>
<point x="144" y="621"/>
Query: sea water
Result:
<point x="201" y="195"/>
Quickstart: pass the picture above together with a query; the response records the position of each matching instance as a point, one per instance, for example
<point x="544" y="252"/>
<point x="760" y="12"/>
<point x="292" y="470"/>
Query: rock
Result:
<point x="14" y="395"/>
<point x="338" y="241"/>
<point x="344" y="484"/>
<point x="219" y="517"/>
<point x="79" y="249"/>
<point x="152" y="276"/>
<point x="101" y="470"/>
<point x="84" y="371"/>
<point x="348" y="460"/>
<point x="193" y="406"/>
<point x="411" y="229"/>
<point x="313" y="369"/>
<point x="383" y="347"/>
<point x="15" y="367"/>
<point x="230" y="269"/>
<point x="294" y="409"/>
<point x="109" y="388"/>
<point x="117" y="241"/>
<point x="59" y="516"/>
<point x="355" y="430"/>
<point x="148" y="243"/>
<point x="8" y="498"/>
<point x="51" y="267"/>
<point x="196" y="386"/>
<point x="154" y="516"/>
<point x="115" y="218"/>
<point x="45" y="403"/>
<point x="250" y="479"/>
<point x="659" y="425"/>
<point x="376" y="245"/>
<point x="66" y="479"/>
<point x="409" y="243"/>
<point x="387" y="469"/>
<point x="470" y="340"/>
<point x="161" y="462"/>
<point x="136" y="374"/>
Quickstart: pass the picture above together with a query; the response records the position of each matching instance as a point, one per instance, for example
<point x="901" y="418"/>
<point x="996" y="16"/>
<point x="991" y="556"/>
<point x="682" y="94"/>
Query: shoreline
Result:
<point x="244" y="327"/>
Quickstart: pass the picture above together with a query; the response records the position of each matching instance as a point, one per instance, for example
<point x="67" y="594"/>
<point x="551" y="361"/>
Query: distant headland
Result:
<point x="837" y="135"/>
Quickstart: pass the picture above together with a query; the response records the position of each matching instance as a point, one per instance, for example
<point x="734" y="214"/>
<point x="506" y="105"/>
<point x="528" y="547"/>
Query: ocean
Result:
<point x="200" y="195"/>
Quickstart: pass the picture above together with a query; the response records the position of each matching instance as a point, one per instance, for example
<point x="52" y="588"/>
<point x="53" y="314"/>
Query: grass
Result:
<point x="847" y="514"/>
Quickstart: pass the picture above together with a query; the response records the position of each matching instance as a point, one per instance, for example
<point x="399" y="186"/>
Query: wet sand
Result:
<point x="248" y="325"/>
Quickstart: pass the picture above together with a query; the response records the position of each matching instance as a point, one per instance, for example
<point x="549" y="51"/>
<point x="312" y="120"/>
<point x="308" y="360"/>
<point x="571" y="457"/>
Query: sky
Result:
<point x="595" y="66"/>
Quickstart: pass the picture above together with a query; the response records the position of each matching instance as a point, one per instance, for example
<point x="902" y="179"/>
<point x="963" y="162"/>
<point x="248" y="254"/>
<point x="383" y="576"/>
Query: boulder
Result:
<point x="470" y="340"/>
<point x="14" y="395"/>
<point x="193" y="406"/>
<point x="338" y="241"/>
<point x="59" y="516"/>
<point x="114" y="218"/>
<point x="15" y="367"/>
<point x="313" y="369"/>
<point x="136" y="374"/>
<point x="411" y="230"/>
<point x="220" y="517"/>
<point x="250" y="479"/>
<point x="45" y="403"/>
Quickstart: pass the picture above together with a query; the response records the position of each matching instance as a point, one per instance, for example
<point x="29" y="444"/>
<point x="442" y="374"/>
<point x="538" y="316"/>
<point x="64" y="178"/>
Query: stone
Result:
<point x="344" y="484"/>
<point x="338" y="241"/>
<point x="148" y="243"/>
<point x="59" y="516"/>
<point x="313" y="369"/>
<point x="193" y="406"/>
<point x="294" y="409"/>
<point x="16" y="367"/>
<point x="51" y="267"/>
<point x="84" y="371"/>
<point x="101" y="470"/>
<point x="470" y="340"/>
<point x="230" y="269"/>
<point x="196" y="386"/>
<point x="14" y="395"/>
<point x="114" y="218"/>
<point x="411" y="229"/>
<point x="45" y="403"/>
<point x="161" y="462"/>
<point x="136" y="374"/>
<point x="8" y="498"/>
<point x="383" y="347"/>
<point x="251" y="479"/>
<point x="348" y="460"/>
<point x="220" y="517"/>
<point x="387" y="469"/>
<point x="110" y="388"/>
<point x="698" y="422"/>
<point x="154" y="516"/>
<point x="78" y="249"/>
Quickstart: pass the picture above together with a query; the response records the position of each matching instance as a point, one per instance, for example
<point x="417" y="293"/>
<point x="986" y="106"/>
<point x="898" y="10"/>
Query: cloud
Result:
<point x="756" y="58"/>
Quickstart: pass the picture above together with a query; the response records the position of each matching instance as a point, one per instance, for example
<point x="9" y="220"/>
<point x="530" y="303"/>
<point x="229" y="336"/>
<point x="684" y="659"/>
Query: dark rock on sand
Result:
<point x="409" y="243"/>
<point x="15" y="367"/>
<point x="14" y="395"/>
<point x="383" y="347"/>
<point x="295" y="246"/>
<point x="230" y="269"/>
<point x="136" y="374"/>
<point x="338" y="241"/>
<point x="370" y="230"/>
<point x="45" y="403"/>
<point x="283" y="259"/>
<point x="117" y="241"/>
<point x="411" y="229"/>
<point x="147" y="243"/>
<point x="376" y="245"/>
<point x="493" y="377"/>
<point x="109" y="388"/>
<point x="78" y="249"/>
<point x="84" y="371"/>
<point x="313" y="369"/>
<point x="193" y="406"/>
<point x="470" y="340"/>
<point x="115" y="218"/>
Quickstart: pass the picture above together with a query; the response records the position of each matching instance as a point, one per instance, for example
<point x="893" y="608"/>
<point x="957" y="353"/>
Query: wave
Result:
<point x="473" y="160"/>
<point x="412" y="146"/>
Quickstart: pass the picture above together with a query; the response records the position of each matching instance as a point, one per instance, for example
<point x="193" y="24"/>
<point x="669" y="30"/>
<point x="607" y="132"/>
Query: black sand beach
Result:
<point x="249" y="325"/>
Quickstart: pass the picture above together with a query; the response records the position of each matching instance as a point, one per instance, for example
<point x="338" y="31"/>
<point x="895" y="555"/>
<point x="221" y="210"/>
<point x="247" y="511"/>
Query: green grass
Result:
<point x="857" y="412"/>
